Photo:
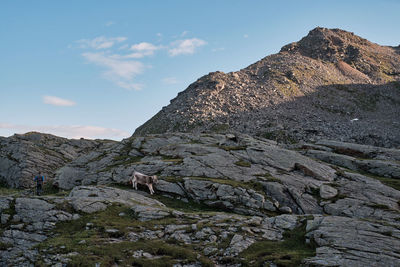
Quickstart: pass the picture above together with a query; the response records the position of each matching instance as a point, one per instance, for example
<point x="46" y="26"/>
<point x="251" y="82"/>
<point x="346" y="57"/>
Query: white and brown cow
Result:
<point x="140" y="178"/>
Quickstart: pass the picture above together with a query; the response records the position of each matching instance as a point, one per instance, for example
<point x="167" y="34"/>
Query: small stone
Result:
<point x="213" y="238"/>
<point x="4" y="218"/>
<point x="147" y="255"/>
<point x="121" y="214"/>
<point x="16" y="218"/>
<point x="17" y="226"/>
<point x="285" y="209"/>
<point x="209" y="250"/>
<point x="112" y="231"/>
<point x="326" y="191"/>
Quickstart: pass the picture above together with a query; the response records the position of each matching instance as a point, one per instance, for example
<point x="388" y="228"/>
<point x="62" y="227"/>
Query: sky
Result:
<point x="100" y="69"/>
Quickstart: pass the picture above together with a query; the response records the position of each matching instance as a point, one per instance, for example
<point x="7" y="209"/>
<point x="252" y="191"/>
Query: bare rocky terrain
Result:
<point x="331" y="84"/>
<point x="229" y="194"/>
<point x="222" y="200"/>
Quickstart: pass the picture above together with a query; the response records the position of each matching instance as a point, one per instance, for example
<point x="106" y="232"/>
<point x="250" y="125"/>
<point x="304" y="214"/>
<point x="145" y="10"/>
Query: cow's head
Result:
<point x="154" y="179"/>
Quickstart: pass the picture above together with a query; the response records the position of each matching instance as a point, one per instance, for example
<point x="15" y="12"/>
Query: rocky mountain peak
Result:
<point x="329" y="44"/>
<point x="311" y="89"/>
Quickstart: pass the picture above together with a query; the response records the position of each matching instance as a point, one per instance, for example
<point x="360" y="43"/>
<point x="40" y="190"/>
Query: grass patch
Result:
<point x="121" y="253"/>
<point x="6" y="191"/>
<point x="176" y="160"/>
<point x="267" y="177"/>
<point x="220" y="128"/>
<point x="50" y="189"/>
<point x="243" y="163"/>
<point x="68" y="236"/>
<point x="289" y="252"/>
<point x="172" y="179"/>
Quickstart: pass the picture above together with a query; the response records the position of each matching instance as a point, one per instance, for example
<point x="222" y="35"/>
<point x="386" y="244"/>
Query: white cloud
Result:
<point x="56" y="101"/>
<point x="118" y="70"/>
<point x="109" y="23"/>
<point x="69" y="131"/>
<point x="170" y="80"/>
<point x="184" y="33"/>
<point x="245" y="36"/>
<point x="185" y="47"/>
<point x="143" y="49"/>
<point x="218" y="49"/>
<point x="100" y="42"/>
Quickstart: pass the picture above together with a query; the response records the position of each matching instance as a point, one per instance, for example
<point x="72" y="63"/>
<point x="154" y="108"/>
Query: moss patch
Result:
<point x="289" y="252"/>
<point x="243" y="163"/>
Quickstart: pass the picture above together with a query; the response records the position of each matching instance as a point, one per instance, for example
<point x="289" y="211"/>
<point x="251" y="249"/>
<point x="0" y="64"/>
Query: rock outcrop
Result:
<point x="331" y="84"/>
<point x="209" y="186"/>
<point x="23" y="156"/>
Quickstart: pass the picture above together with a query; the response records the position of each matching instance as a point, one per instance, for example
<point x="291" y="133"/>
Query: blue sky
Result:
<point x="99" y="69"/>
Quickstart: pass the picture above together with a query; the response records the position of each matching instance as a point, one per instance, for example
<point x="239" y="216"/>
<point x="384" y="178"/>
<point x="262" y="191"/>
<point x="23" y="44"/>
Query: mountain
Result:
<point x="330" y="84"/>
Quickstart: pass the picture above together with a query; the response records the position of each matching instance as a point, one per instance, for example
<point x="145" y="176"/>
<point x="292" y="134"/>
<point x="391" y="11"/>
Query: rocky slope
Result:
<point x="227" y="200"/>
<point x="22" y="156"/>
<point x="331" y="84"/>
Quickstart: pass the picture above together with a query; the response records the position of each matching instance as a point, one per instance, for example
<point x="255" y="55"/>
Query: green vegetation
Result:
<point x="94" y="246"/>
<point x="243" y="163"/>
<point x="269" y="178"/>
<point x="50" y="189"/>
<point x="220" y="128"/>
<point x="5" y="190"/>
<point x="289" y="252"/>
<point x="280" y="136"/>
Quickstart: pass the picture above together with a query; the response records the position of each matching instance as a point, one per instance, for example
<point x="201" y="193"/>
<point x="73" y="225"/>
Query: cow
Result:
<point x="140" y="178"/>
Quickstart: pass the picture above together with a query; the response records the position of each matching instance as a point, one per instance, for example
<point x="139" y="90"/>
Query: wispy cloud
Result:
<point x="185" y="47"/>
<point x="100" y="42"/>
<point x="69" y="131"/>
<point x="170" y="80"/>
<point x="245" y="36"/>
<point x="110" y="23"/>
<point x="142" y="49"/>
<point x="218" y="49"/>
<point x="121" y="64"/>
<point x="119" y="71"/>
<point x="56" y="101"/>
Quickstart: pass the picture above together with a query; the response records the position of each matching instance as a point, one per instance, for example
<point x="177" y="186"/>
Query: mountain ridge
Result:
<point x="332" y="63"/>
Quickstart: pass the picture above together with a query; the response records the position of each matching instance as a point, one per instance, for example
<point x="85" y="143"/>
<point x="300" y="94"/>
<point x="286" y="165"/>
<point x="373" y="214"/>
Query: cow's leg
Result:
<point x="135" y="183"/>
<point x="150" y="186"/>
